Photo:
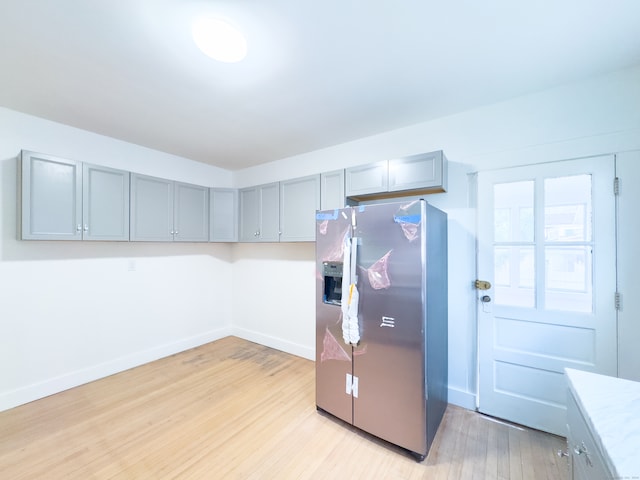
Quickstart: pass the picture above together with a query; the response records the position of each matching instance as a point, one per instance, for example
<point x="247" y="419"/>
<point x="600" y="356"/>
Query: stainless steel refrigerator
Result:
<point x="381" y="329"/>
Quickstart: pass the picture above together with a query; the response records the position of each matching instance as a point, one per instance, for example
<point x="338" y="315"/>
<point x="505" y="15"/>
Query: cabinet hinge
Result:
<point x="618" y="301"/>
<point x="616" y="186"/>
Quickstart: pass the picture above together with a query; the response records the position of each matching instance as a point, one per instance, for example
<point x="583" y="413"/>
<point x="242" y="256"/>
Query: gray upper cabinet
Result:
<point x="166" y="211"/>
<point x="68" y="200"/>
<point x="425" y="171"/>
<point x="259" y="213"/>
<point x="299" y="200"/>
<point x="191" y="213"/>
<point x="367" y="179"/>
<point x="151" y="209"/>
<point x="51" y="197"/>
<point x="332" y="190"/>
<point x="249" y="214"/>
<point x="415" y="174"/>
<point x="105" y="212"/>
<point x="223" y="219"/>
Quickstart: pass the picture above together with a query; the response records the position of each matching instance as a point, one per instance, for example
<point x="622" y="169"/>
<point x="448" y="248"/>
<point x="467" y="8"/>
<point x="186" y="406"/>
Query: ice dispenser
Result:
<point x="332" y="275"/>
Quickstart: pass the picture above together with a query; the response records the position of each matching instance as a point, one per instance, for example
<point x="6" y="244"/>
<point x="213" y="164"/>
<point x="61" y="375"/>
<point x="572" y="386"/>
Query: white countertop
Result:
<point x="611" y="407"/>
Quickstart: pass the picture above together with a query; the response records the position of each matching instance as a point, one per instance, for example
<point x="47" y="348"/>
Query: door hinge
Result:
<point x="618" y="301"/>
<point x="352" y="385"/>
<point x="616" y="186"/>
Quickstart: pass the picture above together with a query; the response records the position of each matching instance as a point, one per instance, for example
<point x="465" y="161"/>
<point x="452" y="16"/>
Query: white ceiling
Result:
<point x="317" y="74"/>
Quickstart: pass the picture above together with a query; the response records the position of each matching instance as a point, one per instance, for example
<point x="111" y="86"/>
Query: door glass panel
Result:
<point x="513" y="232"/>
<point x="567" y="209"/>
<point x="568" y="278"/>
<point x="513" y="212"/>
<point x="514" y="276"/>
<point x="568" y="249"/>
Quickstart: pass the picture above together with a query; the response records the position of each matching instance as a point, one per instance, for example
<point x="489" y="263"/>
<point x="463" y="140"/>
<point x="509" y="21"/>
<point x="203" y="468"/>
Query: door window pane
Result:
<point x="568" y="250"/>
<point x="513" y="212"/>
<point x="567" y="209"/>
<point x="568" y="278"/>
<point x="514" y="276"/>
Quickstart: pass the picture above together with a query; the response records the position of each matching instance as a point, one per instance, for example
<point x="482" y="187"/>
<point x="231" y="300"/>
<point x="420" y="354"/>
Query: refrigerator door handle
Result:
<point x="351" y="387"/>
<point x="354" y="260"/>
<point x="350" y="295"/>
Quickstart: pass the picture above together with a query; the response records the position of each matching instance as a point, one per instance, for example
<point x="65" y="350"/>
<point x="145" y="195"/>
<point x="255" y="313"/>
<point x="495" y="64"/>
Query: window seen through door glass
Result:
<point x="514" y="253"/>
<point x="513" y="212"/>
<point x="567" y="209"/>
<point x="568" y="250"/>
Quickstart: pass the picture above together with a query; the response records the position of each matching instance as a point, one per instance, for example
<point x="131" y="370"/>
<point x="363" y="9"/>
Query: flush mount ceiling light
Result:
<point x="219" y="40"/>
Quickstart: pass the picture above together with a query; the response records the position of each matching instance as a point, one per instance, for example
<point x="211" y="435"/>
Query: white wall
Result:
<point x="71" y="312"/>
<point x="601" y="115"/>
<point x="274" y="295"/>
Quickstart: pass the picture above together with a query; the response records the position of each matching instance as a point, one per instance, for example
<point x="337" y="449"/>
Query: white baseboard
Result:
<point x="275" y="342"/>
<point x="462" y="399"/>
<point x="50" y="386"/>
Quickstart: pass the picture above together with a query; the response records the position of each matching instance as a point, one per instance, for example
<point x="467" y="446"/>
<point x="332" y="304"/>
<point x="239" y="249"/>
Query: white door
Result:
<point x="546" y="243"/>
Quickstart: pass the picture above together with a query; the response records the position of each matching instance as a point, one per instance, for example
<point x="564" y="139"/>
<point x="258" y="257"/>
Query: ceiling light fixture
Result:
<point x="219" y="40"/>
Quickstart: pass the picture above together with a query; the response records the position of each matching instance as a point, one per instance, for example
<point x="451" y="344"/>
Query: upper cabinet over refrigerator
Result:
<point x="412" y="175"/>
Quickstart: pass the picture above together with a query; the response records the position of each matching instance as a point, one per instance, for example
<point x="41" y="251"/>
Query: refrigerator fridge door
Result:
<point x="389" y="361"/>
<point x="333" y="356"/>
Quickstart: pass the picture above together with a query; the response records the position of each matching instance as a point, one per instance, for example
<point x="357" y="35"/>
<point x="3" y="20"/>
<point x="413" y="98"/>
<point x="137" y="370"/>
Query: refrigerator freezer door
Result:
<point x="389" y="362"/>
<point x="333" y="356"/>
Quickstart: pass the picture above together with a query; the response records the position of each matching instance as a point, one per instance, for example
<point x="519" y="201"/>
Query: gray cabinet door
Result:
<point x="332" y="190"/>
<point x="191" y="213"/>
<point x="105" y="194"/>
<point x="367" y="179"/>
<point x="223" y="217"/>
<point x="260" y="213"/>
<point x="299" y="200"/>
<point x="151" y="209"/>
<point x="249" y="214"/>
<point x="269" y="204"/>
<point x="51" y="197"/>
<point x="423" y="171"/>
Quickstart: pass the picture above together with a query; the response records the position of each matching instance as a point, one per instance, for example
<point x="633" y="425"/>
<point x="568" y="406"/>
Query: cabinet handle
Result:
<point x="172" y="232"/>
<point x="562" y="453"/>
<point x="582" y="450"/>
<point x="86" y="228"/>
<point x="176" y="232"/>
<point x="78" y="228"/>
<point x="257" y="234"/>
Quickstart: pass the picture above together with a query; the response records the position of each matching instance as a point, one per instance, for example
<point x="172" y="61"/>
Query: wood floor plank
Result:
<point x="233" y="409"/>
<point x="502" y="452"/>
<point x="492" y="455"/>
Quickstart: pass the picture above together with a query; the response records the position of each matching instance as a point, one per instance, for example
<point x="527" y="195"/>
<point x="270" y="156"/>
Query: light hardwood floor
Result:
<point x="237" y="410"/>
